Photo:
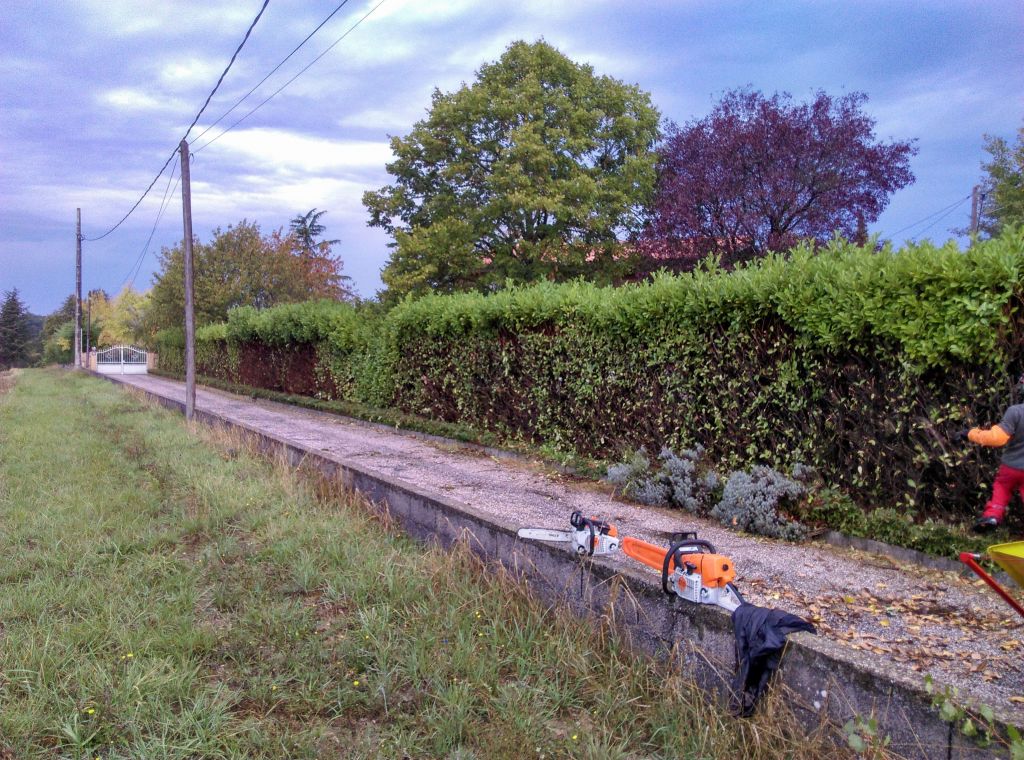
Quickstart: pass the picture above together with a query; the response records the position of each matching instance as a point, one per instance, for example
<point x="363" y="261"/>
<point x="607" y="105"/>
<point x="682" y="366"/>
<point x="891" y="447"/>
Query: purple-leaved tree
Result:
<point x="759" y="174"/>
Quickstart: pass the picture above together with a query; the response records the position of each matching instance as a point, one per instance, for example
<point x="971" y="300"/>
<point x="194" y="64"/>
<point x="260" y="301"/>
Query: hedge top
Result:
<point x="937" y="304"/>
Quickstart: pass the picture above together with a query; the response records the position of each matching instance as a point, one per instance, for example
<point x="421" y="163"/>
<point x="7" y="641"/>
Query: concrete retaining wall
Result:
<point x="821" y="679"/>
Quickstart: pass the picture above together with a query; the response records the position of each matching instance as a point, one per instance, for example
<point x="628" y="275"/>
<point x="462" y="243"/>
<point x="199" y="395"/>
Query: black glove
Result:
<point x="960" y="436"/>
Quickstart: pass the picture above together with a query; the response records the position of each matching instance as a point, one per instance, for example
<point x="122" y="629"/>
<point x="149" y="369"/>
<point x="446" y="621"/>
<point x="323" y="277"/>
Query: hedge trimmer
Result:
<point x="690" y="569"/>
<point x="589" y="536"/>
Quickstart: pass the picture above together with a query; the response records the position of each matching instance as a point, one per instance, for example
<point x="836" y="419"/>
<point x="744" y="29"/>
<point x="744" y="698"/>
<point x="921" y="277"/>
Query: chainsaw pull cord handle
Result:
<point x="578" y="521"/>
<point x="675" y="552"/>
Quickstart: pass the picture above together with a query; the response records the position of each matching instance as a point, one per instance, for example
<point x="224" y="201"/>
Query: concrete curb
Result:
<point x="912" y="556"/>
<point x="822" y="679"/>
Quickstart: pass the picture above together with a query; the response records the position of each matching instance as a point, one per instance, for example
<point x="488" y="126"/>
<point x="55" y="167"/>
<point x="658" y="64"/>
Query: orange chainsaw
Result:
<point x="690" y="569"/>
<point x="589" y="536"/>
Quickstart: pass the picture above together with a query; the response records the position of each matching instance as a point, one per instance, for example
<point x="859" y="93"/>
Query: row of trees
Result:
<point x="543" y="169"/>
<point x="242" y="266"/>
<point x="239" y="266"/>
<point x="106" y="321"/>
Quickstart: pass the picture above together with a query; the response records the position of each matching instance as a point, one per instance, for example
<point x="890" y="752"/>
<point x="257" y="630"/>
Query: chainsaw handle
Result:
<point x="689" y="544"/>
<point x="579" y="522"/>
<point x="698" y="545"/>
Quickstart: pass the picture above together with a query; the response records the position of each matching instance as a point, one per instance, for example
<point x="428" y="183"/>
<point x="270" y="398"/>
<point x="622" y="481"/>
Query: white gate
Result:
<point x="121" y="360"/>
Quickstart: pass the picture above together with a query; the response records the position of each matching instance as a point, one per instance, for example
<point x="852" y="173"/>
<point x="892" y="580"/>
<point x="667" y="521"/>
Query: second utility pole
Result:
<point x="975" y="210"/>
<point x="78" y="288"/>
<point x="190" y="324"/>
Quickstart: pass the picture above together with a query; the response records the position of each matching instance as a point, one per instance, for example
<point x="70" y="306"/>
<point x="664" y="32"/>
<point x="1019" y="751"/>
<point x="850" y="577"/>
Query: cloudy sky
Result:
<point x="96" y="94"/>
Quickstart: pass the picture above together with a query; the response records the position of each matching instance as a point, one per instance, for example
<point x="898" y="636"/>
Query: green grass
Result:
<point x="166" y="593"/>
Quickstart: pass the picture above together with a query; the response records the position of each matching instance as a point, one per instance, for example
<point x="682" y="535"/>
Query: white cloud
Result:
<point x="131" y="99"/>
<point x="130" y="17"/>
<point x="416" y="12"/>
<point x="184" y="75"/>
<point x="395" y="121"/>
<point x="938" y="108"/>
<point x="280" y="151"/>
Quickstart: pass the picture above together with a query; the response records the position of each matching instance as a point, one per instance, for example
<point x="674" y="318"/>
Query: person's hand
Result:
<point x="960" y="436"/>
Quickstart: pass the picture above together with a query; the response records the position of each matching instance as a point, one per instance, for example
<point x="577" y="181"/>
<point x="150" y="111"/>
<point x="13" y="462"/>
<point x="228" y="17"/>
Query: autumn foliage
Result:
<point x="760" y="173"/>
<point x="241" y="266"/>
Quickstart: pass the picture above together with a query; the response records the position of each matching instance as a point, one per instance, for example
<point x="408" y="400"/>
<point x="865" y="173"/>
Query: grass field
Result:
<point x="166" y="593"/>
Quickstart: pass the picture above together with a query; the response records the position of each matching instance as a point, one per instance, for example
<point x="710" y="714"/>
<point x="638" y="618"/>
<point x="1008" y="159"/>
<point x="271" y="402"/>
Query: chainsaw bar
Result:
<point x="589" y="536"/>
<point x="542" y="534"/>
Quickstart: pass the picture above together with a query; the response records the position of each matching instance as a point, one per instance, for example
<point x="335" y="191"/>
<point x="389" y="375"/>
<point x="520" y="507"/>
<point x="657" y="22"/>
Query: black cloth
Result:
<point x="760" y="636"/>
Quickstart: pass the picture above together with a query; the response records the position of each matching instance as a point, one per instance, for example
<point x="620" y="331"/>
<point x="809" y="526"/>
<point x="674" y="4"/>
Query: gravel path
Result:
<point x="914" y="620"/>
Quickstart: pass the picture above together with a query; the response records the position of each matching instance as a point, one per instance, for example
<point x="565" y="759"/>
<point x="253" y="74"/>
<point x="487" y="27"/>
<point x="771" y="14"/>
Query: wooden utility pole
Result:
<point x="88" y="329"/>
<point x="974" y="210"/>
<point x="78" y="288"/>
<point x="190" y="324"/>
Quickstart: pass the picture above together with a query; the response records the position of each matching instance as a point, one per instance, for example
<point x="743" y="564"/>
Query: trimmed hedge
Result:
<point x="858" y="362"/>
<point x="325" y="349"/>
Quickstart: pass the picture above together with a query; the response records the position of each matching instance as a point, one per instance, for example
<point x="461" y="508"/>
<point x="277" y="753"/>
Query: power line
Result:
<point x="273" y="70"/>
<point x="194" y="121"/>
<point x="137" y="266"/>
<point x="925" y="219"/>
<point x="227" y="68"/>
<point x="301" y="72"/>
<point x="948" y="212"/>
<point x="141" y="198"/>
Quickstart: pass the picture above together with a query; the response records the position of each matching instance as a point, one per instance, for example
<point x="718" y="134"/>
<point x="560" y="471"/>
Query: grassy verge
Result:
<point x="165" y="593"/>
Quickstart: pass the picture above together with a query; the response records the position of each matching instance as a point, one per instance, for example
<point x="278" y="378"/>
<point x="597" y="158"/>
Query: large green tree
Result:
<point x="15" y="332"/>
<point x="536" y="170"/>
<point x="239" y="267"/>
<point x="1002" y="185"/>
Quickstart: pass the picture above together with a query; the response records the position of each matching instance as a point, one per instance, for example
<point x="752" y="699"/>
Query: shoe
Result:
<point x="990" y="518"/>
<point x="986" y="525"/>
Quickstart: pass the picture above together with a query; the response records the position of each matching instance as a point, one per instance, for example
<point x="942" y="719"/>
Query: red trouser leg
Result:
<point x="1008" y="480"/>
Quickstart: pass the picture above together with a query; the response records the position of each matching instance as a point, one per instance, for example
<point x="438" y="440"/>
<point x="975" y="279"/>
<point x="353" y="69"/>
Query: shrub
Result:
<point x="691" y="482"/>
<point x="638" y="482"/>
<point x="854" y="362"/>
<point x="889" y="525"/>
<point x="832" y="509"/>
<point x="636" y="466"/>
<point x="758" y="501"/>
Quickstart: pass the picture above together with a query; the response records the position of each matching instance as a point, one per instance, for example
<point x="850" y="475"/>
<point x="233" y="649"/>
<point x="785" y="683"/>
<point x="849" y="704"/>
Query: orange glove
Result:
<point x="995" y="436"/>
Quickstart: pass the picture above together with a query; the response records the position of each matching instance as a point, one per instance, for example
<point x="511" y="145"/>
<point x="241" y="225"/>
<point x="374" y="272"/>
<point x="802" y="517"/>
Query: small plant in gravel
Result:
<point x="759" y="502"/>
<point x="683" y="481"/>
<point x="690" y="479"/>
<point x="893" y="526"/>
<point x="637" y="482"/>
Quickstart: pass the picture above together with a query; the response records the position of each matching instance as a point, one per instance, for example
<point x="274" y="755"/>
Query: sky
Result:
<point x="96" y="94"/>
